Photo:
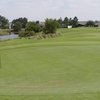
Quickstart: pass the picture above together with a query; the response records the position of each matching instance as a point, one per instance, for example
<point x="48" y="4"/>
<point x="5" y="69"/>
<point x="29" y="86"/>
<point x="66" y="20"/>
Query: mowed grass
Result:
<point x="63" y="68"/>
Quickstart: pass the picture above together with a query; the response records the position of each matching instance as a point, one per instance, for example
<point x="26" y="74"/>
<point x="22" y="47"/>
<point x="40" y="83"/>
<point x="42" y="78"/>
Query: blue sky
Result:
<point x="41" y="9"/>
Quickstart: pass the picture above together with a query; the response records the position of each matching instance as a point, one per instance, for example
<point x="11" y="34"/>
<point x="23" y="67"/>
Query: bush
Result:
<point x="50" y="26"/>
<point x="17" y="27"/>
<point x="32" y="26"/>
<point x="26" y="33"/>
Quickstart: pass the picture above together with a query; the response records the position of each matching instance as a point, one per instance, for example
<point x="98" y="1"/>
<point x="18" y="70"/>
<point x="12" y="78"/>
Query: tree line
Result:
<point x="64" y="23"/>
<point x="25" y="28"/>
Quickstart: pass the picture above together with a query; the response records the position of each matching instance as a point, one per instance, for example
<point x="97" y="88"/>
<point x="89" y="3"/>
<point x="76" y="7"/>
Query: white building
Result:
<point x="69" y="26"/>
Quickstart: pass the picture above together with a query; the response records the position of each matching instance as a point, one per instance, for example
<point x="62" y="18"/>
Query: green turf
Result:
<point x="63" y="68"/>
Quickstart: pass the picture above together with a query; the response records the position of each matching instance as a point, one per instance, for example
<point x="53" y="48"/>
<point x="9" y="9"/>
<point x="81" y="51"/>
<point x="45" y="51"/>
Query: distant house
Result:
<point x="80" y="24"/>
<point x="83" y="23"/>
<point x="69" y="26"/>
<point x="97" y="23"/>
<point x="42" y="24"/>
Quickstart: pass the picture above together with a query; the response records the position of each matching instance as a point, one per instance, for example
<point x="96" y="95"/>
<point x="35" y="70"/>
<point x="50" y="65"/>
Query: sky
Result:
<point x="42" y="9"/>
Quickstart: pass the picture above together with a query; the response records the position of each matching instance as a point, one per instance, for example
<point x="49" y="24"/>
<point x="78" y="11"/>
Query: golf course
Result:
<point x="66" y="67"/>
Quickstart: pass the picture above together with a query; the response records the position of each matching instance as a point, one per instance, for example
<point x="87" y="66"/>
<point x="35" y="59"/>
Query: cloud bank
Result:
<point x="41" y="9"/>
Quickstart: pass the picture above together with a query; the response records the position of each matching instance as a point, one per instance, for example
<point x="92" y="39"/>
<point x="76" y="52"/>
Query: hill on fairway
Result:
<point x="63" y="68"/>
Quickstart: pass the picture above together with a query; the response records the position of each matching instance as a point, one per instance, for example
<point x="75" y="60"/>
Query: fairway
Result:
<point x="63" y="68"/>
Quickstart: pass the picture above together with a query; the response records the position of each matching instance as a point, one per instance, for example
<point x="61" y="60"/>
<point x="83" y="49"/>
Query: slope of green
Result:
<point x="63" y="68"/>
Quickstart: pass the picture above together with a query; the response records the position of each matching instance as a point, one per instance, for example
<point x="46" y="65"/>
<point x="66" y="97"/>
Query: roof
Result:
<point x="82" y="22"/>
<point x="98" y="23"/>
<point x="42" y="23"/>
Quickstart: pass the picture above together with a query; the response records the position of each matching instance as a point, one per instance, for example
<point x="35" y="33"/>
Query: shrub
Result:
<point x="26" y="33"/>
<point x="17" y="27"/>
<point x="32" y="26"/>
<point x="50" y="26"/>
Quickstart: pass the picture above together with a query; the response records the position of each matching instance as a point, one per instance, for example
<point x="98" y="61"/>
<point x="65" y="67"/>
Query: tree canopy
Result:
<point x="17" y="26"/>
<point x="50" y="26"/>
<point x="4" y="22"/>
<point x="23" y="21"/>
<point x="90" y="23"/>
<point x="32" y="26"/>
<point x="68" y="21"/>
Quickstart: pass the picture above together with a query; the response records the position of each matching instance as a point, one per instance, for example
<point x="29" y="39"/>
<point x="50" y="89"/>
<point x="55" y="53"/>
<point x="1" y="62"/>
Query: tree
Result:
<point x="90" y="24"/>
<point x="57" y="23"/>
<point x="50" y="26"/>
<point x="32" y="26"/>
<point x="37" y="22"/>
<point x="4" y="22"/>
<point x="65" y="22"/>
<point x="60" y="21"/>
<point x="23" y="21"/>
<point x="70" y="21"/>
<point x="17" y="27"/>
<point x="75" y="22"/>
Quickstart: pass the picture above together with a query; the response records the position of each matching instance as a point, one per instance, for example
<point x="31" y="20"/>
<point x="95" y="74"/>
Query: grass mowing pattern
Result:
<point x="62" y="68"/>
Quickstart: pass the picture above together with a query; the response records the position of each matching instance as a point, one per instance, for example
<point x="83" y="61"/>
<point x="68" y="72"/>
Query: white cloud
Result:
<point x="40" y="9"/>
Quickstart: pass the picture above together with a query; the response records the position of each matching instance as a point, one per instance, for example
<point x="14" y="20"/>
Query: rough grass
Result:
<point x="4" y="32"/>
<point x="62" y="68"/>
